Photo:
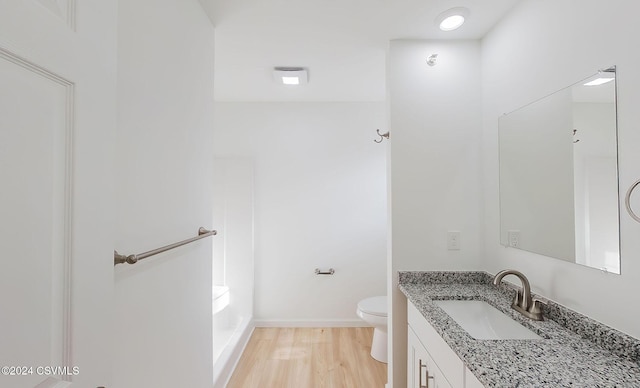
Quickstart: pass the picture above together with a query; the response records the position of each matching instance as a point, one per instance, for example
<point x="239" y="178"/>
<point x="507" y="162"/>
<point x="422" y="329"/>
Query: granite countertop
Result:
<point x="575" y="351"/>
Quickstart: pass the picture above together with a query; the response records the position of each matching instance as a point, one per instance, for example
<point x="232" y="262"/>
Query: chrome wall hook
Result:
<point x="382" y="136"/>
<point x="431" y="61"/>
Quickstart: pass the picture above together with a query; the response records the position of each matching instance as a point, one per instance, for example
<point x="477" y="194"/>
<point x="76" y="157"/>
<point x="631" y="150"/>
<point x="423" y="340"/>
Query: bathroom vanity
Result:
<point x="566" y="349"/>
<point x="430" y="361"/>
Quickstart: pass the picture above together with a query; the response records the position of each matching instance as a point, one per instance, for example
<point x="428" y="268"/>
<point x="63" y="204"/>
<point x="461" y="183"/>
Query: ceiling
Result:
<point x="343" y="43"/>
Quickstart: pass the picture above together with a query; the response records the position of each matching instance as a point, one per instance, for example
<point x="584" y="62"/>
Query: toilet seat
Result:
<point x="376" y="305"/>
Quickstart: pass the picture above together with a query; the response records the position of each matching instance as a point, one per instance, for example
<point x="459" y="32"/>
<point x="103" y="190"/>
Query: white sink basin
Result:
<point x="483" y="321"/>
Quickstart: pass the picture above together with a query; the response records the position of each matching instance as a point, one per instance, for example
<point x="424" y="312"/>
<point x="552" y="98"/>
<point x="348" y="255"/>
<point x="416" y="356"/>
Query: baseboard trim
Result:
<point x="309" y="323"/>
<point x="222" y="373"/>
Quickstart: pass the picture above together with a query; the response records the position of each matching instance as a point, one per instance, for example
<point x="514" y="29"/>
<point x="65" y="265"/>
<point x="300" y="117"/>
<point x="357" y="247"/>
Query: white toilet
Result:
<point x="374" y="312"/>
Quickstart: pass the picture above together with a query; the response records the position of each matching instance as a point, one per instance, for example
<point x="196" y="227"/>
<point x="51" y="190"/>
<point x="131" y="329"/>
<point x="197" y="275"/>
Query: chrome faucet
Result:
<point x="522" y="303"/>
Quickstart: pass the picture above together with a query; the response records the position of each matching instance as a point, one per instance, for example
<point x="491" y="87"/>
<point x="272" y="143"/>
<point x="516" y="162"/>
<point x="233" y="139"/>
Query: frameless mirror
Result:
<point x="559" y="175"/>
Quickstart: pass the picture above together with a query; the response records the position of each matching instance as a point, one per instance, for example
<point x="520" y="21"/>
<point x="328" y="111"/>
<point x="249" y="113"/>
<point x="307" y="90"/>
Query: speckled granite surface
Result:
<point x="575" y="351"/>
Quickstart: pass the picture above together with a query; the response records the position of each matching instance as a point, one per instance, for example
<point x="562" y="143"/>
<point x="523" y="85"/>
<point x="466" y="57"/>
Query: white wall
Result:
<point x="163" y="317"/>
<point x="233" y="219"/>
<point x="435" y="115"/>
<point x="233" y="259"/>
<point x="539" y="47"/>
<point x="320" y="202"/>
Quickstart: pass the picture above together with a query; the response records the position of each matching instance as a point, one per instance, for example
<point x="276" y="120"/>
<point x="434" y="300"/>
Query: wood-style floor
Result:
<point x="309" y="357"/>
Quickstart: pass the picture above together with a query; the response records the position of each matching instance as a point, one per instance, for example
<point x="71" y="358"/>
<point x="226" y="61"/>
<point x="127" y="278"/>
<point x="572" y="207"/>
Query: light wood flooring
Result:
<point x="309" y="357"/>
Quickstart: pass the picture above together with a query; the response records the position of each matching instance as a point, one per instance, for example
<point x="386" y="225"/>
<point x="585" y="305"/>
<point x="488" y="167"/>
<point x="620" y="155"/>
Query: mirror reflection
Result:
<point x="559" y="175"/>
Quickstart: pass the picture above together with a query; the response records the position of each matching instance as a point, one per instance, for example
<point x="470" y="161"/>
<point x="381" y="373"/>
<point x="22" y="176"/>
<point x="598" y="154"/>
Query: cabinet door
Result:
<point x="415" y="358"/>
<point x="422" y="371"/>
<point x="434" y="376"/>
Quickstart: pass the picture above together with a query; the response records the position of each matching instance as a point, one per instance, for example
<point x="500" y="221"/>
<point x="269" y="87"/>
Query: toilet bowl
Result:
<point x="374" y="312"/>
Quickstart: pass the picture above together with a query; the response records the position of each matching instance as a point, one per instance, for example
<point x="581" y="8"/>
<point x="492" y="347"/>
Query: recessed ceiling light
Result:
<point x="452" y="22"/>
<point x="452" y="19"/>
<point x="290" y="75"/>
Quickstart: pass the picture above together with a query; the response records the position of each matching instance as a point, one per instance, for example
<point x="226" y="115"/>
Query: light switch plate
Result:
<point x="453" y="240"/>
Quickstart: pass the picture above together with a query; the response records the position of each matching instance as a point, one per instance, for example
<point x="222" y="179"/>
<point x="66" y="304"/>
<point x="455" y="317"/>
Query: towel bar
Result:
<point x="132" y="259"/>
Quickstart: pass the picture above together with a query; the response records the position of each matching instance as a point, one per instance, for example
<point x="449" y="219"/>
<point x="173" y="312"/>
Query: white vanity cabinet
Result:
<point x="422" y="370"/>
<point x="430" y="361"/>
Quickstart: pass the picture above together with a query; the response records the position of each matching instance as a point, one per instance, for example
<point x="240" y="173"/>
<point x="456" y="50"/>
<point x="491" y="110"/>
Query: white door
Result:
<point x="57" y="120"/>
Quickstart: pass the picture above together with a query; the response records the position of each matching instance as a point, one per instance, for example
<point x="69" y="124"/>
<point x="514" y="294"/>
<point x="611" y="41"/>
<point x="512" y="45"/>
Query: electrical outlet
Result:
<point x="453" y="240"/>
<point x="513" y="237"/>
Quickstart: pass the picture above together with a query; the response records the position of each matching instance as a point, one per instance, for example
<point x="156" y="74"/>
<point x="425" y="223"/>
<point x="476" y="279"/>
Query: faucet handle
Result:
<point x="539" y="301"/>
<point x="536" y="306"/>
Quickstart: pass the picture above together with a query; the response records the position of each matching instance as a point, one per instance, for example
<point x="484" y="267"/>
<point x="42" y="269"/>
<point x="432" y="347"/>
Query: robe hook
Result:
<point x="382" y="136"/>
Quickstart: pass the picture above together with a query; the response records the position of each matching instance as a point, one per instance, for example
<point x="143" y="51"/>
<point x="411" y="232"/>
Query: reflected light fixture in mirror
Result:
<point x="602" y="77"/>
<point x="452" y="19"/>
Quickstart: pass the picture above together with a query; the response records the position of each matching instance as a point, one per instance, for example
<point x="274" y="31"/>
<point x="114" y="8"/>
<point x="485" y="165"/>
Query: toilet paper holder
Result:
<point x="331" y="271"/>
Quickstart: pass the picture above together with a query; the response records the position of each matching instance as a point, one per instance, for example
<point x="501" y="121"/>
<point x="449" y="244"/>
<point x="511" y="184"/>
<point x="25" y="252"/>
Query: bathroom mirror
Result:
<point x="559" y="175"/>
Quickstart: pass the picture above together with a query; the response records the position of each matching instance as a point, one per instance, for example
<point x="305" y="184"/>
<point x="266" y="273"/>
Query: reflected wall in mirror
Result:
<point x="559" y="175"/>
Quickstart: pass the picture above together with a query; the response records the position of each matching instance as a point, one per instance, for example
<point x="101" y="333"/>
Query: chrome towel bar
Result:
<point x="132" y="259"/>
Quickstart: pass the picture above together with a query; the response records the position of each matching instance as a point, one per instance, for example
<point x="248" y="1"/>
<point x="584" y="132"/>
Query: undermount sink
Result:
<point x="483" y="321"/>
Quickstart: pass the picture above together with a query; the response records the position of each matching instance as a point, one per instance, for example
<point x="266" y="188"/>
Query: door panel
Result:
<point x="35" y="147"/>
<point x="57" y="134"/>
<point x="64" y="9"/>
